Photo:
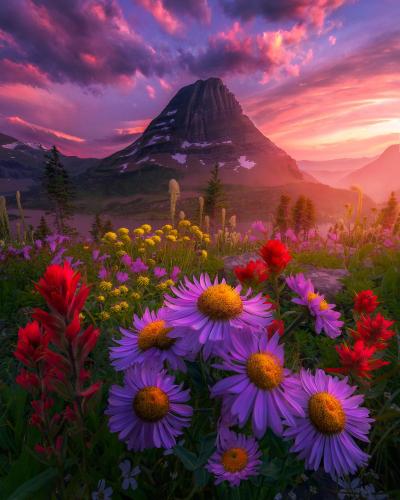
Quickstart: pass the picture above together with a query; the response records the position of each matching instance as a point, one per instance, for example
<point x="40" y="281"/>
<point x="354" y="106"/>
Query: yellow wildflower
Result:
<point x="135" y="296"/>
<point x="156" y="238"/>
<point x="86" y="247"/>
<point x="171" y="237"/>
<point x="124" y="305"/>
<point x="116" y="292"/>
<point x="150" y="242"/>
<point x="184" y="223"/>
<point x="104" y="316"/>
<point x="143" y="281"/>
<point x="204" y="254"/>
<point x="100" y="298"/>
<point x="151" y="262"/>
<point x="121" y="253"/>
<point x="123" y="289"/>
<point x="146" y="228"/>
<point x="116" y="308"/>
<point x="126" y="238"/>
<point x="139" y="231"/>
<point x="169" y="282"/>
<point x="162" y="286"/>
<point x="141" y="250"/>
<point x="174" y="232"/>
<point x="110" y="236"/>
<point x="119" y="244"/>
<point x="186" y="238"/>
<point x="159" y="232"/>
<point x="123" y="230"/>
<point x="105" y="286"/>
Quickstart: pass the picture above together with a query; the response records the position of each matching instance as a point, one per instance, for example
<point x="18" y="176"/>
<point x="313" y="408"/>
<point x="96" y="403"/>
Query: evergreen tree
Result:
<point x="100" y="227"/>
<point x="282" y="216"/>
<point x="388" y="214"/>
<point x="43" y="230"/>
<point x="309" y="217"/>
<point x="299" y="214"/>
<point x="214" y="194"/>
<point x="59" y="191"/>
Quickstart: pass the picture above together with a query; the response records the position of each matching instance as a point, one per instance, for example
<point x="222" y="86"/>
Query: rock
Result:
<point x="326" y="281"/>
<point x="232" y="261"/>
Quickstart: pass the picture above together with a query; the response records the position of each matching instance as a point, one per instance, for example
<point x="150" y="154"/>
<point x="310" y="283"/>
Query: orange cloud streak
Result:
<point x="16" y="120"/>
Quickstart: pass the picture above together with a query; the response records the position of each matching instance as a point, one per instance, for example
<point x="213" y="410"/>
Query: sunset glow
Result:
<point x="318" y="78"/>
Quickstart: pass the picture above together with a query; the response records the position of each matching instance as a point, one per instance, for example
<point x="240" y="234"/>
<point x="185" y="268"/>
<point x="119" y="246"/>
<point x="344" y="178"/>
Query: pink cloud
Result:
<point x="25" y="73"/>
<point x="332" y="40"/>
<point x="162" y="15"/>
<point x="16" y="120"/>
<point x="164" y="84"/>
<point x="151" y="91"/>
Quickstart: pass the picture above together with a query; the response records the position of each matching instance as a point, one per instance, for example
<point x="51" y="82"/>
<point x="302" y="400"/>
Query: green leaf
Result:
<point x="207" y="446"/>
<point x="34" y="485"/>
<point x="201" y="477"/>
<point x="188" y="458"/>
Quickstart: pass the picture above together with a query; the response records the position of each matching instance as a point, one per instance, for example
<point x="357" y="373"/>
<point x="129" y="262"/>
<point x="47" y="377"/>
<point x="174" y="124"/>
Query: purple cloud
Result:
<point x="88" y="43"/>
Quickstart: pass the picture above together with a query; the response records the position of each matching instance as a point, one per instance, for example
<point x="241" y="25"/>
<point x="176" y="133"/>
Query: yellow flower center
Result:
<point x="323" y="305"/>
<point x="235" y="459"/>
<point x="311" y="296"/>
<point x="264" y="370"/>
<point x="326" y="413"/>
<point x="151" y="404"/>
<point x="155" y="335"/>
<point x="220" y="302"/>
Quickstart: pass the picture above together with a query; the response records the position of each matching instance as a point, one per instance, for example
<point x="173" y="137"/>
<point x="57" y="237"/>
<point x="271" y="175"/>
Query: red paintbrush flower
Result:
<point x="59" y="287"/>
<point x="253" y="272"/>
<point x="27" y="380"/>
<point x="365" y="302"/>
<point x="357" y="361"/>
<point x="374" y="331"/>
<point x="275" y="255"/>
<point x="32" y="344"/>
<point x="276" y="326"/>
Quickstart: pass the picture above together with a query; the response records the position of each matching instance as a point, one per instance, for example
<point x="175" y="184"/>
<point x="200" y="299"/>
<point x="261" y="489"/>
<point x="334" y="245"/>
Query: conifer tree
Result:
<point x="59" y="191"/>
<point x="282" y="216"/>
<point x="309" y="217"/>
<point x="43" y="230"/>
<point x="214" y="194"/>
<point x="388" y="214"/>
<point x="100" y="227"/>
<point x="299" y="214"/>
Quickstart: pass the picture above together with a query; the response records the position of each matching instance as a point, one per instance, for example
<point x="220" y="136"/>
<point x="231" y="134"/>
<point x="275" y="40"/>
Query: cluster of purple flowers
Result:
<point x="213" y="319"/>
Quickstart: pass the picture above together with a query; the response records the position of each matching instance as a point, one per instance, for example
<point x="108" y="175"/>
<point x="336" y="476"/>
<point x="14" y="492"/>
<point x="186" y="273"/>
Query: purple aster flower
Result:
<point x="122" y="277"/>
<point x="38" y="244"/>
<point x="154" y="339"/>
<point x="262" y="388"/>
<point x="176" y="271"/>
<point x="103" y="273"/>
<point x="236" y="459"/>
<point x="58" y="258"/>
<point x="126" y="260"/>
<point x="214" y="308"/>
<point x="326" y="318"/>
<point x="149" y="410"/>
<point x="138" y="266"/>
<point x="95" y="254"/>
<point x="159" y="272"/>
<point x="332" y="419"/>
<point x="291" y="235"/>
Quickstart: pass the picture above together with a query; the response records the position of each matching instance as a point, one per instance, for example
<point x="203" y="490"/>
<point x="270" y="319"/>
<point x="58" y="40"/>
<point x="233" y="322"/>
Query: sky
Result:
<point x="321" y="78"/>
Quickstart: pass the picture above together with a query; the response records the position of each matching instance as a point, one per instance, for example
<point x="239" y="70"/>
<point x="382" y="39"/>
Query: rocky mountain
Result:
<point x="331" y="171"/>
<point x="201" y="125"/>
<point x="21" y="164"/>
<point x="379" y="177"/>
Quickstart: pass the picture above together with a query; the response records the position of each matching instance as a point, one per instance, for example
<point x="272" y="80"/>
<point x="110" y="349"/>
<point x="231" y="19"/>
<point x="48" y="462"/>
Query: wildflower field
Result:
<point x="144" y="366"/>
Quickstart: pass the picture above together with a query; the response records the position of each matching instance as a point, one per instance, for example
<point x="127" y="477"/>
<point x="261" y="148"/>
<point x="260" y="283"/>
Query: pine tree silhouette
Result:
<point x="59" y="191"/>
<point x="43" y="230"/>
<point x="214" y="194"/>
<point x="282" y="216"/>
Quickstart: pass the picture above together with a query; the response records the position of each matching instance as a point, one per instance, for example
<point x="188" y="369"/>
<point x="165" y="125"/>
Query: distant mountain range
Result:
<point x="203" y="124"/>
<point x="379" y="177"/>
<point x="331" y="171"/>
<point x="22" y="164"/>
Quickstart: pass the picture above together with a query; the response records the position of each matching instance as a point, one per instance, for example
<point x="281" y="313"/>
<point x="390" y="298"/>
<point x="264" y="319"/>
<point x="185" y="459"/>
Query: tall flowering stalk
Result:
<point x="54" y="350"/>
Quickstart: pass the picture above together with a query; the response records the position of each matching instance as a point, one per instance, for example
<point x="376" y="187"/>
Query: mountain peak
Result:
<point x="204" y="124"/>
<point x="393" y="150"/>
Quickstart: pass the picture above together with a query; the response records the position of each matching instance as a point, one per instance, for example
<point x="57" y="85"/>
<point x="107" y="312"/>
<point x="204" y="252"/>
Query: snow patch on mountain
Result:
<point x="172" y="112"/>
<point x="179" y="157"/>
<point x="245" y="163"/>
